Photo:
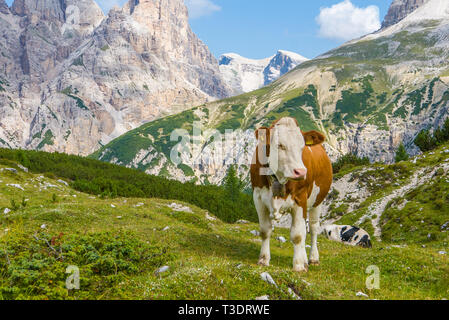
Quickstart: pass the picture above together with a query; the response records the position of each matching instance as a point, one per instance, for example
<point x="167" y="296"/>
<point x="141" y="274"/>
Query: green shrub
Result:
<point x="349" y="161"/>
<point x="34" y="267"/>
<point x="401" y="154"/>
<point x="425" y="141"/>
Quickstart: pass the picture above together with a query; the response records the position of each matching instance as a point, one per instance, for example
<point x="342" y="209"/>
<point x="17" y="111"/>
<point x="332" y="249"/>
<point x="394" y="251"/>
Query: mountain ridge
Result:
<point x="245" y="75"/>
<point x="399" y="9"/>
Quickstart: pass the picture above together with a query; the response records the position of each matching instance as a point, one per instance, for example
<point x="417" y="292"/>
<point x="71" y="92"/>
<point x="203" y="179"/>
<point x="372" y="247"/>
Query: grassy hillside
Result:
<point x="411" y="197"/>
<point x="118" y="244"/>
<point x="107" y="180"/>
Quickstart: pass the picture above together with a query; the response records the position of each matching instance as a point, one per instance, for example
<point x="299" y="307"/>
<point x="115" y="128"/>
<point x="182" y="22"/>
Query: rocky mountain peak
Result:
<point x="68" y="68"/>
<point x="4" y="7"/>
<point x="146" y="11"/>
<point x="85" y="14"/>
<point x="283" y="62"/>
<point x="45" y="9"/>
<point x="245" y="75"/>
<point x="400" y="9"/>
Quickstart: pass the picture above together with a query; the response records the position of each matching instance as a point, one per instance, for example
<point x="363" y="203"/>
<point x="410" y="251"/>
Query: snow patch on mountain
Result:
<point x="245" y="75"/>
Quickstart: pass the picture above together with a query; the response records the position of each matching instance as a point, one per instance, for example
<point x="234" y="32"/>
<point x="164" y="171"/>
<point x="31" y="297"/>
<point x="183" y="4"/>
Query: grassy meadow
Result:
<point x="119" y="243"/>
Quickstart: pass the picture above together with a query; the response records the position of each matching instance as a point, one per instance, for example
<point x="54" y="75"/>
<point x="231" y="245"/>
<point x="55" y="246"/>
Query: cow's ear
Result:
<point x="313" y="138"/>
<point x="263" y="135"/>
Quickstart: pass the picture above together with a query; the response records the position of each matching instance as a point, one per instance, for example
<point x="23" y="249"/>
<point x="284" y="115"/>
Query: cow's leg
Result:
<point x="298" y="235"/>
<point x="314" y="222"/>
<point x="265" y="230"/>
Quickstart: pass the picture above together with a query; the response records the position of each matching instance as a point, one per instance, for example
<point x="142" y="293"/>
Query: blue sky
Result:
<point x="258" y="28"/>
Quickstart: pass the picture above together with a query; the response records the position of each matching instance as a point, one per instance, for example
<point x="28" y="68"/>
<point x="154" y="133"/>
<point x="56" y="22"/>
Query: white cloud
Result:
<point x="200" y="8"/>
<point x="344" y="21"/>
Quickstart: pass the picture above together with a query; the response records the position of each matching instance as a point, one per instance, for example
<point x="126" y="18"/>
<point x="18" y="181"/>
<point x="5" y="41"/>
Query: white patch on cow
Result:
<point x="261" y="198"/>
<point x="280" y="207"/>
<point x="313" y="196"/>
<point x="277" y="207"/>
<point x="298" y="234"/>
<point x="332" y="232"/>
<point x="286" y="148"/>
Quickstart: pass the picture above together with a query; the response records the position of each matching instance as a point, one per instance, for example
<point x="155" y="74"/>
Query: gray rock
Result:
<point x="268" y="279"/>
<point x="162" y="270"/>
<point x="17" y="186"/>
<point x="281" y="239"/>
<point x="10" y="170"/>
<point x="63" y="182"/>
<point x="293" y="294"/>
<point x="24" y="169"/>
<point x="263" y="298"/>
<point x="255" y="233"/>
<point x="361" y="294"/>
<point x="399" y="9"/>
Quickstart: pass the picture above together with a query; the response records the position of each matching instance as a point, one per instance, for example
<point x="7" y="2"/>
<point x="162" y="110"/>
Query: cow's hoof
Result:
<point x="301" y="269"/>
<point x="263" y="263"/>
<point x="314" y="262"/>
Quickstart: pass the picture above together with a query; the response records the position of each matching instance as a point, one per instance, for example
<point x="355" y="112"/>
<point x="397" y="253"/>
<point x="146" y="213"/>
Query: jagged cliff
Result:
<point x="400" y="9"/>
<point x="73" y="79"/>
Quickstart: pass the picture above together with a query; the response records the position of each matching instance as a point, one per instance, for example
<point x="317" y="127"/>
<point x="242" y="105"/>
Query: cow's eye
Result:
<point x="282" y="147"/>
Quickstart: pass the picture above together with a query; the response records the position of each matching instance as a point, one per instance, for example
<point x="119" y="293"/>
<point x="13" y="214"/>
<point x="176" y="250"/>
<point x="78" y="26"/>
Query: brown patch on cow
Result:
<point x="297" y="239"/>
<point x="264" y="235"/>
<point x="263" y="137"/>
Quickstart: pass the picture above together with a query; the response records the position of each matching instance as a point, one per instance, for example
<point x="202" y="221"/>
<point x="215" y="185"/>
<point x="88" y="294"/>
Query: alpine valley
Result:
<point x="367" y="96"/>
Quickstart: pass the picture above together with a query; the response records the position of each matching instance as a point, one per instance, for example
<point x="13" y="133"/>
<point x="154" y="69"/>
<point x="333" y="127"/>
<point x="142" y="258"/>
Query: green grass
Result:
<point x="119" y="249"/>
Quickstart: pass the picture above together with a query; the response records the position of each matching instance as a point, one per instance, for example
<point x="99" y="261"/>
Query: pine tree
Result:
<point x="439" y="136"/>
<point x="23" y="159"/>
<point x="425" y="141"/>
<point x="233" y="184"/>
<point x="446" y="130"/>
<point x="401" y="153"/>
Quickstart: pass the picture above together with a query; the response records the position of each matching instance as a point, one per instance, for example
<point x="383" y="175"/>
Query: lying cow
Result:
<point x="290" y="172"/>
<point x="349" y="235"/>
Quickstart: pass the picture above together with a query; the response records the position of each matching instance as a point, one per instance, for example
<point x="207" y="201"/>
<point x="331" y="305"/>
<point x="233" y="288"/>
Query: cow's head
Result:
<point x="285" y="143"/>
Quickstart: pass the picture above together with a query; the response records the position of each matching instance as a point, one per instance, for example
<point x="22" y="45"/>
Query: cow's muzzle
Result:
<point x="299" y="174"/>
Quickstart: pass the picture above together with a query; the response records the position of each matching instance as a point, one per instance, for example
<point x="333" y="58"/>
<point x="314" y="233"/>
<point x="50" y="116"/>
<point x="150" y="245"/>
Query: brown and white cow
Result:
<point x="292" y="172"/>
